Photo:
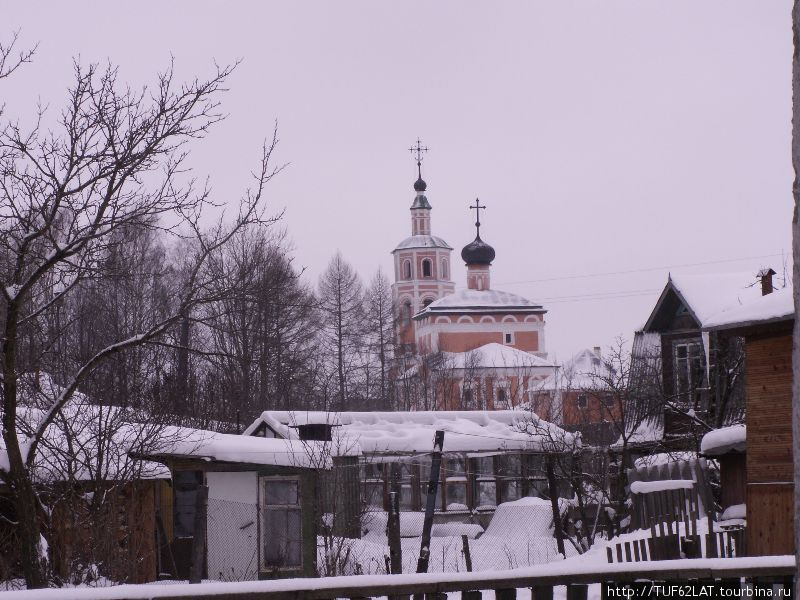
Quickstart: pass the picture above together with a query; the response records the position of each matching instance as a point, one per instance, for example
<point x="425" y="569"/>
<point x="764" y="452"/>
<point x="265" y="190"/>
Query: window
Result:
<point x="467" y="399"/>
<point x="281" y="531"/>
<point x="582" y="402"/>
<point x="608" y="400"/>
<point x="426" y="302"/>
<point x="444" y="268"/>
<point x="455" y="476"/>
<point x="426" y="268"/>
<point x="372" y="475"/>
<point x="689" y="369"/>
<point x="509" y="338"/>
<point x="407" y="269"/>
<point x="502" y="399"/>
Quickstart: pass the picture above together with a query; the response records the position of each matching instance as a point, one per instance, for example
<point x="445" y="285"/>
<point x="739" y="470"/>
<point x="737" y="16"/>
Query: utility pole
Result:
<point x="433" y="485"/>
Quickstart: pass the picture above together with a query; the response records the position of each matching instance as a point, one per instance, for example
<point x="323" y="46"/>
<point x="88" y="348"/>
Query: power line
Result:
<point x="643" y="270"/>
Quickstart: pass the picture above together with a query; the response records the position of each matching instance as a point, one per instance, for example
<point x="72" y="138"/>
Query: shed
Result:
<point x="260" y="516"/>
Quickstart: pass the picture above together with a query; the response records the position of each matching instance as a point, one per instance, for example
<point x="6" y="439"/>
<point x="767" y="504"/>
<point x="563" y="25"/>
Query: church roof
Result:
<point x="481" y="301"/>
<point x="422" y="241"/>
<point x="494" y="355"/>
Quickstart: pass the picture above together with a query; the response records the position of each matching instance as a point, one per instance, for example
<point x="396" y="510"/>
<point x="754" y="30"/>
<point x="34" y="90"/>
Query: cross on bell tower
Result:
<point x="418" y="150"/>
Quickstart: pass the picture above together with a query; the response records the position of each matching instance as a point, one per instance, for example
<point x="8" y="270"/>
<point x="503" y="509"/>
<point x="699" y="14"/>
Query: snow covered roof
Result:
<point x="422" y="241"/>
<point x="251" y="450"/>
<point x="85" y="441"/>
<point x="481" y="301"/>
<point x="646" y="431"/>
<point x="724" y="440"/>
<point x="585" y="370"/>
<point x="494" y="355"/>
<point x="772" y="308"/>
<point x="413" y="432"/>
<point x="709" y="294"/>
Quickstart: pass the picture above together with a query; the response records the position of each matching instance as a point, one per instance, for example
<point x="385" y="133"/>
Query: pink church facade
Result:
<point x="476" y="348"/>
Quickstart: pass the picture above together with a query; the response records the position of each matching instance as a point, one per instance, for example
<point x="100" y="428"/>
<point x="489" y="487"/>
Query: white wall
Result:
<point x="232" y="525"/>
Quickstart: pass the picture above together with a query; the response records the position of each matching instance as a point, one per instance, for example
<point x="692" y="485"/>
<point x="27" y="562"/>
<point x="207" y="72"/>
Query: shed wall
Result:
<point x="232" y="525"/>
<point x="770" y="488"/>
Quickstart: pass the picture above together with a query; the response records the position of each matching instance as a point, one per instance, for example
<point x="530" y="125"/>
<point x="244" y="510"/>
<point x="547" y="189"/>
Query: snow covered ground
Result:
<point x="520" y="534"/>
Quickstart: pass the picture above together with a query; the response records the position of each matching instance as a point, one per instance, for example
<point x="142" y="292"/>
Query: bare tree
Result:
<point x="114" y="158"/>
<point x="341" y="304"/>
<point x="379" y="323"/>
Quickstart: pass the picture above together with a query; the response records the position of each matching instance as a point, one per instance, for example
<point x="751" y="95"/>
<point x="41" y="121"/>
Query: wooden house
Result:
<point x="766" y="325"/>
<point x="693" y="359"/>
<point x="253" y="499"/>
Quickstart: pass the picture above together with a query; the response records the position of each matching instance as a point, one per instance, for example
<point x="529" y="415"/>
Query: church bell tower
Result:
<point x="422" y="269"/>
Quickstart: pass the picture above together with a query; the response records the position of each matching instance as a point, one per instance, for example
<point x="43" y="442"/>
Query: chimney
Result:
<point x="597" y="352"/>
<point x="766" y="281"/>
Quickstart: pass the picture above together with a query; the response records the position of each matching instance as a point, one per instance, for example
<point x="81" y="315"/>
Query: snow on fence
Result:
<point x="575" y="574"/>
<point x="659" y="475"/>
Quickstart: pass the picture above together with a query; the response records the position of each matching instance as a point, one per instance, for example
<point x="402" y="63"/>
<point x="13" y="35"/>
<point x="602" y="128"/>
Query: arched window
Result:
<point x="444" y="268"/>
<point x="426" y="302"/>
<point x="426" y="268"/>
<point x="407" y="269"/>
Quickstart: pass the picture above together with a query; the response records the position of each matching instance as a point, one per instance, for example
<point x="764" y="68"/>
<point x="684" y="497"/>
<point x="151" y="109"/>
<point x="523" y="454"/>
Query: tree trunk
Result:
<point x="23" y="494"/>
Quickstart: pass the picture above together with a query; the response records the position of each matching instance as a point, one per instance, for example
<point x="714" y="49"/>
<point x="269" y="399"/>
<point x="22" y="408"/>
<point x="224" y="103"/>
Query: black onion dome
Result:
<point x="478" y="252"/>
<point x="420" y="185"/>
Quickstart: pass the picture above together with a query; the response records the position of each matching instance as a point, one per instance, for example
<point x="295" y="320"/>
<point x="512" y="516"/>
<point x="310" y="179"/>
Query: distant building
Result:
<point x="580" y="396"/>
<point x="482" y="348"/>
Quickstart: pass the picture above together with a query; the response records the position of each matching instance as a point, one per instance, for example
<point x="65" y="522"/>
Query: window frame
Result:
<point x="265" y="508"/>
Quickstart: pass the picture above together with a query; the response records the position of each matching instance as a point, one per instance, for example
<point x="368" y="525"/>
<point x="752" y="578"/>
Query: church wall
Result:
<point x="527" y="340"/>
<point x="465" y="341"/>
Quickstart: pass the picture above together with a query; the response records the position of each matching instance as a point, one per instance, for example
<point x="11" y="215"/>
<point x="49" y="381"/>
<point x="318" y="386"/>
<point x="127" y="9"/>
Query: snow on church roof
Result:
<point x="481" y="301"/>
<point x="413" y="432"/>
<point x="774" y="307"/>
<point x="494" y="355"/>
<point x="422" y="241"/>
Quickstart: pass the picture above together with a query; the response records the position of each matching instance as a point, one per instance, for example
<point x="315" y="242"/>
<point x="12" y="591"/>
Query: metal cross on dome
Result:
<point x="477" y="208"/>
<point x="419" y="149"/>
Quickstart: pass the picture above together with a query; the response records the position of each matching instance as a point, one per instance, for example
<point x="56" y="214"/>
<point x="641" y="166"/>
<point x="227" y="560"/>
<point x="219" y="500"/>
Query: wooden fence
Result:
<point x="432" y="586"/>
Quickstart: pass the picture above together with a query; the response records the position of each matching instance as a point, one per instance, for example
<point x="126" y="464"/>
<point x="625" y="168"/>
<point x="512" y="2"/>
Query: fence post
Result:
<point x="430" y="505"/>
<point x="199" y="539"/>
<point x="395" y="547"/>
<point x="467" y="555"/>
<point x="551" y="484"/>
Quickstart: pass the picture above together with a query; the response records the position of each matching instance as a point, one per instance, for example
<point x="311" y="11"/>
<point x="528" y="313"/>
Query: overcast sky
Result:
<point x="602" y="136"/>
